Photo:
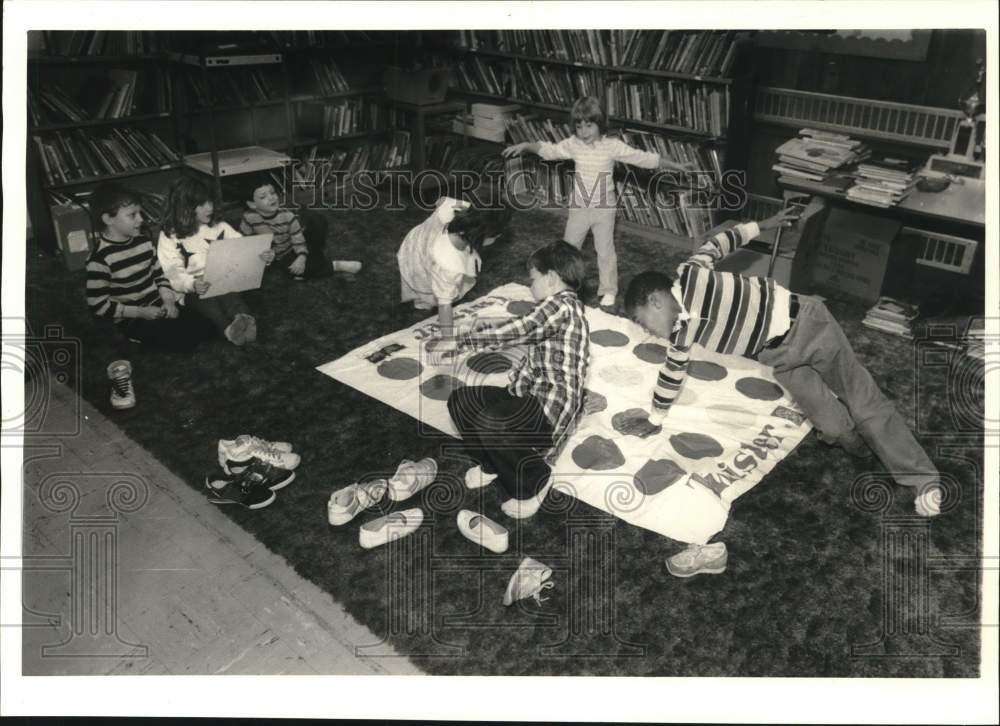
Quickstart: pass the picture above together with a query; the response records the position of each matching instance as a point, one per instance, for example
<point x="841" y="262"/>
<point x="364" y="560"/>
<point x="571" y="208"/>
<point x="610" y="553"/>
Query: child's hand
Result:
<point x="171" y="309"/>
<point x="785" y="218"/>
<point x="267" y="256"/>
<point x="298" y="266"/>
<point x="513" y="150"/>
<point x="201" y="287"/>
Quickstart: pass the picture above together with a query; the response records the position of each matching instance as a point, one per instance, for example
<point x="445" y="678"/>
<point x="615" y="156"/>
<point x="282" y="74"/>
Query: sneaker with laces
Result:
<point x="346" y="503"/>
<point x="283" y="446"/>
<point x="411" y="477"/>
<point x="270" y="477"/>
<point x="709" y="559"/>
<point x="122" y="392"/>
<point x="236" y="455"/>
<point x="248" y="490"/>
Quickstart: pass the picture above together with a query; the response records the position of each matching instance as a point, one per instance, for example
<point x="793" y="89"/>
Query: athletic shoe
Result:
<point x="709" y="559"/>
<point x="607" y="301"/>
<point x="528" y="581"/>
<point x="483" y="531"/>
<point x="345" y="504"/>
<point x="281" y="446"/>
<point x="476" y="478"/>
<point x="250" y="327"/>
<point x="524" y="508"/>
<point x="411" y="477"/>
<point x="247" y="490"/>
<point x="928" y="502"/>
<point x="236" y="331"/>
<point x="236" y="455"/>
<point x="390" y="527"/>
<point x="122" y="393"/>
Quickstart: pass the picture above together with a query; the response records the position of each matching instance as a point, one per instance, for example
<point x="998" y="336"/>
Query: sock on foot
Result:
<point x="346" y="266"/>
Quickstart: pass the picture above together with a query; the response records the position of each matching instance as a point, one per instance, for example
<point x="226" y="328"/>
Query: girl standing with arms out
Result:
<point x="593" y="202"/>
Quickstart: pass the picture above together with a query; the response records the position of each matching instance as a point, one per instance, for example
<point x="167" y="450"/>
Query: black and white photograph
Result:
<point x="640" y="358"/>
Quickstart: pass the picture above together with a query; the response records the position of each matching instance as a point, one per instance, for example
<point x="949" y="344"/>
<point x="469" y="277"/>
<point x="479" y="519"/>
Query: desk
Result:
<point x="959" y="203"/>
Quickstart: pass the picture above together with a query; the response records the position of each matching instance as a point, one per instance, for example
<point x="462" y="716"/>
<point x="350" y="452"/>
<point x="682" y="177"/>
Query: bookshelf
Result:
<point x="682" y="93"/>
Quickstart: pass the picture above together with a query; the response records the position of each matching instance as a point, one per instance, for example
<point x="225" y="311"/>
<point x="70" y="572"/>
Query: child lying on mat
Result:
<point x="796" y="335"/>
<point x="509" y="431"/>
<point x="439" y="258"/>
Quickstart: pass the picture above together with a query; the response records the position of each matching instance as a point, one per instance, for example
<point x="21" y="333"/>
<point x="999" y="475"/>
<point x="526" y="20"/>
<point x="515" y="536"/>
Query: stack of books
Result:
<point x="883" y="182"/>
<point x="813" y="155"/>
<point x="892" y="316"/>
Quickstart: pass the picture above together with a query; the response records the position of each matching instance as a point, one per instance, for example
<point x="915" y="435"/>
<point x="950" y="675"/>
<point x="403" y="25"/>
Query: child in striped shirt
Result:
<point x="593" y="203"/>
<point x="299" y="248"/>
<point x="511" y="431"/>
<point x="125" y="282"/>
<point x="796" y="335"/>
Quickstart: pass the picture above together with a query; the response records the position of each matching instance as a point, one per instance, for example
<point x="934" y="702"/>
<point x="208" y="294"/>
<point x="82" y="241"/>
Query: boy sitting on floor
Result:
<point x="510" y="430"/>
<point x="796" y="335"/>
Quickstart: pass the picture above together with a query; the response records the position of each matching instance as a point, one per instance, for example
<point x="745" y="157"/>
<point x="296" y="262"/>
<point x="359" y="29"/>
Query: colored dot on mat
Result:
<point x="621" y="376"/>
<point x="705" y="371"/>
<point x="656" y="475"/>
<point x="759" y="389"/>
<point x="609" y="338"/>
<point x="650" y="352"/>
<point x="400" y="369"/>
<point x="439" y="387"/>
<point x="695" y="446"/>
<point x="731" y="416"/>
<point x="598" y="453"/>
<point x="489" y="362"/>
<point x="593" y="402"/>
<point x="634" y="422"/>
<point x="520" y="307"/>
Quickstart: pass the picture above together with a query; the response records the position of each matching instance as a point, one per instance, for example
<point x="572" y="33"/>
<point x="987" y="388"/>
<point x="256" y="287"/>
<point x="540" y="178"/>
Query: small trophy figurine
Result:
<point x="968" y="138"/>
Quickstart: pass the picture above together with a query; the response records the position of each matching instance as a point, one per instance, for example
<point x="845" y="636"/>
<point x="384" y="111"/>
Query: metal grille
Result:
<point x="902" y="122"/>
<point x="942" y="251"/>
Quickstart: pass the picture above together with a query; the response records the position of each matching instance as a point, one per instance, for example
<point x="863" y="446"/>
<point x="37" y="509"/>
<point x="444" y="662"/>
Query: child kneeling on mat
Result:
<point x="796" y="335"/>
<point x="510" y="431"/>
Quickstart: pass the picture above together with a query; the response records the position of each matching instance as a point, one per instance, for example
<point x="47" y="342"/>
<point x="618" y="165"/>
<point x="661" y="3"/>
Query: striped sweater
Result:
<point x="283" y="224"/>
<point x="593" y="184"/>
<point x="722" y="311"/>
<point x="123" y="277"/>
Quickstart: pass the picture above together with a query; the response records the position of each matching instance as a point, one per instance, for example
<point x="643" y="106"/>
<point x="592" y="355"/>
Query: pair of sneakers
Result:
<point x="253" y="469"/>
<point x="242" y="330"/>
<point x="410" y="478"/>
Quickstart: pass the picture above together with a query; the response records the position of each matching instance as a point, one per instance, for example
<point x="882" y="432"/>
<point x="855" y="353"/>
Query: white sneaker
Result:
<point x="710" y="559"/>
<point x="390" y="527"/>
<point x="928" y="502"/>
<point x="411" y="477"/>
<point x="607" y="301"/>
<point x="524" y="508"/>
<point x="476" y="478"/>
<point x="345" y="504"/>
<point x="282" y="446"/>
<point x="122" y="393"/>
<point x="483" y="531"/>
<point x="236" y="455"/>
<point x="528" y="581"/>
<point x="236" y="331"/>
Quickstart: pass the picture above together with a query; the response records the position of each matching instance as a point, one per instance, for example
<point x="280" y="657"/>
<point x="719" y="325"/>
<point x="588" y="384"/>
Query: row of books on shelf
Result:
<point x="699" y="107"/>
<point x="115" y="93"/>
<point x="527" y="129"/>
<point x="699" y="52"/>
<point x="351" y="116"/>
<point x="393" y="153"/>
<point x="555" y="84"/>
<point x="329" y="78"/>
<point x="479" y="76"/>
<point x="100" y="42"/>
<point x="78" y="154"/>
<point x="232" y="87"/>
<point x="674" y="214"/>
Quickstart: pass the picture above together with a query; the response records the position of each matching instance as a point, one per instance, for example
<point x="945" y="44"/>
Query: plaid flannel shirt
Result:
<point x="555" y="368"/>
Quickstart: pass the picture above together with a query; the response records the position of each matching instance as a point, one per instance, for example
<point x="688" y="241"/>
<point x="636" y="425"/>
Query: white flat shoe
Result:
<point x="390" y="527"/>
<point x="524" y="508"/>
<point x="345" y="504"/>
<point x="928" y="502"/>
<point x="476" y="478"/>
<point x="530" y="579"/>
<point x="411" y="477"/>
<point x="483" y="531"/>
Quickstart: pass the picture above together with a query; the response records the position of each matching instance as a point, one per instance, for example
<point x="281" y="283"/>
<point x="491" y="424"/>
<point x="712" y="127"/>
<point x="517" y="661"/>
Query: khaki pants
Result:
<point x="816" y="364"/>
<point x="600" y="221"/>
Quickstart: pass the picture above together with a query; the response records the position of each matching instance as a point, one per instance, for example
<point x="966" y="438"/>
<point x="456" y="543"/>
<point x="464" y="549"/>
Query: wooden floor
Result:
<point x="173" y="587"/>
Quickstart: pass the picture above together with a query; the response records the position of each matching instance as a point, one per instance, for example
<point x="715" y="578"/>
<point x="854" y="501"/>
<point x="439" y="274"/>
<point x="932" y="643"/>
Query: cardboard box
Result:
<point x="421" y="88"/>
<point x="73" y="234"/>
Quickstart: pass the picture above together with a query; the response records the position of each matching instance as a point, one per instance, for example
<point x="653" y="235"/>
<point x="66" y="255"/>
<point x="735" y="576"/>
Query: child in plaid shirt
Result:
<point x="509" y="431"/>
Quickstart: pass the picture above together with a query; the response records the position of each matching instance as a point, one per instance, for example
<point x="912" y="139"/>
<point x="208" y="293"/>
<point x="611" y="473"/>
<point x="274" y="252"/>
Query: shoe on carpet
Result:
<point x="411" y="477"/>
<point x="283" y="446"/>
<point x="122" y="392"/>
<point x="346" y="503"/>
<point x="483" y="531"/>
<point x="236" y="455"/>
<point x="854" y="445"/>
<point x="390" y="527"/>
<point x="250" y="327"/>
<point x="529" y="581"/>
<point x="236" y="331"/>
<point x="476" y="478"/>
<point x="246" y="490"/>
<point x="709" y="559"/>
<point x="928" y="501"/>
<point x="607" y="301"/>
<point x="352" y="266"/>
<point x="524" y="508"/>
